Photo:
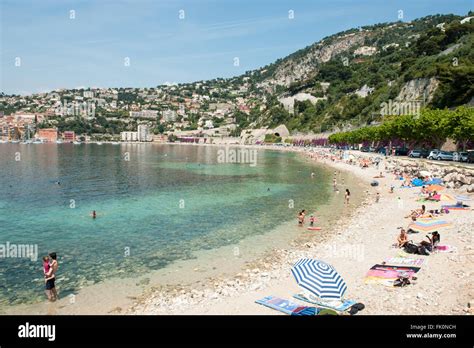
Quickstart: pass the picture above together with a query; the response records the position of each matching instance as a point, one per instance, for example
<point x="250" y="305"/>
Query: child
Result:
<point x="377" y="197"/>
<point x="311" y="220"/>
<point x="46" y="265"/>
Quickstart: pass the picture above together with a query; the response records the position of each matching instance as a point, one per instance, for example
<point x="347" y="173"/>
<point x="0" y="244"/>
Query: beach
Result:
<point x="358" y="241"/>
<point x="353" y="239"/>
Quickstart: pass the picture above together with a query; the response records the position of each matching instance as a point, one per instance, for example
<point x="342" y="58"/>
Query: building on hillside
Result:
<point x="144" y="114"/>
<point x="48" y="134"/>
<point x="143" y="133"/>
<point x="129" y="136"/>
<point x="69" y="136"/>
<point x="169" y="115"/>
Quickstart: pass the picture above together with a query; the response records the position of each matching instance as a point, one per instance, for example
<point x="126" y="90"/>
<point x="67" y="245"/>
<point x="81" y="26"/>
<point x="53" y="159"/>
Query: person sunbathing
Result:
<point x="432" y="241"/>
<point x="402" y="238"/>
<point x="417" y="213"/>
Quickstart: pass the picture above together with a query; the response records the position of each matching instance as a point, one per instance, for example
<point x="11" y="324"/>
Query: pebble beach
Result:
<point x="363" y="236"/>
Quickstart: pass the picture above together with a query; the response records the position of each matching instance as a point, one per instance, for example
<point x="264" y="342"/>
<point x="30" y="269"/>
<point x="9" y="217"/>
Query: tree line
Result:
<point x="429" y="129"/>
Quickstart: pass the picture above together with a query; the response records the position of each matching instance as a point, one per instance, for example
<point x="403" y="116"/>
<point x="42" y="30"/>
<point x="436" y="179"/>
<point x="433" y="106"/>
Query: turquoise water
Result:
<point x="163" y="204"/>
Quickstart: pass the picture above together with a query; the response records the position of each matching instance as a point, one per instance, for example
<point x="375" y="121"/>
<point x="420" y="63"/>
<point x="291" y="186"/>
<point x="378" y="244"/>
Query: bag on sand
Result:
<point x="410" y="248"/>
<point x="422" y="250"/>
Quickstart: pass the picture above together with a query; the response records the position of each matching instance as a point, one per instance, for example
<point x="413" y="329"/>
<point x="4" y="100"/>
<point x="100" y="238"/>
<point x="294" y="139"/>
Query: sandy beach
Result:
<point x="362" y="237"/>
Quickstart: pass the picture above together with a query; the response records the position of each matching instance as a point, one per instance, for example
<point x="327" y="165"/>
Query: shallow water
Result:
<point x="166" y="203"/>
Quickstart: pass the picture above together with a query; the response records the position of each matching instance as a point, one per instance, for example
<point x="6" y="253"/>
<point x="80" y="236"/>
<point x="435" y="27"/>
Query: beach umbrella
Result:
<point x="319" y="278"/>
<point x="428" y="225"/>
<point x="434" y="188"/>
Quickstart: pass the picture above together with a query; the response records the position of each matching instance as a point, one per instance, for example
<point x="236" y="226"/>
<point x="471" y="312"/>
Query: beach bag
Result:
<point x="410" y="248"/>
<point x="422" y="250"/>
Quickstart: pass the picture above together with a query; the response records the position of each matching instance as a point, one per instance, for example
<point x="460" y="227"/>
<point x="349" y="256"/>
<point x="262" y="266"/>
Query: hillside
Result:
<point x="344" y="79"/>
<point x="347" y="80"/>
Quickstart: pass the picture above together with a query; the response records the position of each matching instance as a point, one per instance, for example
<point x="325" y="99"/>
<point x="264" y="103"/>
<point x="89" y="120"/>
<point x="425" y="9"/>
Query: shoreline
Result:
<point x="202" y="269"/>
<point x="361" y="238"/>
<point x="359" y="241"/>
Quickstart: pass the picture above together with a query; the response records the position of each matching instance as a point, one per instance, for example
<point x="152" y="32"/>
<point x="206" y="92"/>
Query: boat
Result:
<point x="14" y="141"/>
<point x="115" y="143"/>
<point x="59" y="141"/>
<point x="99" y="143"/>
<point x="76" y="142"/>
<point x="37" y="141"/>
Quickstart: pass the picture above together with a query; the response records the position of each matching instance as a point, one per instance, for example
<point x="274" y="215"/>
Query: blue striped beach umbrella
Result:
<point x="319" y="278"/>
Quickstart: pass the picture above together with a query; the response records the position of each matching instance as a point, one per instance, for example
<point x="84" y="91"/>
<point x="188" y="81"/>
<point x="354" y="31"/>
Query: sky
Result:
<point x="50" y="44"/>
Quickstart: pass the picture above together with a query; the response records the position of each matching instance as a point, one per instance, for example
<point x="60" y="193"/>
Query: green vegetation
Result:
<point x="272" y="138"/>
<point x="431" y="128"/>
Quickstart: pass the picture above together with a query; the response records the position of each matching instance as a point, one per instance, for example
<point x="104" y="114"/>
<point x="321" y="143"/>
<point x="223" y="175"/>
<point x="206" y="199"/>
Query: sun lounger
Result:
<point x="339" y="306"/>
<point x="292" y="308"/>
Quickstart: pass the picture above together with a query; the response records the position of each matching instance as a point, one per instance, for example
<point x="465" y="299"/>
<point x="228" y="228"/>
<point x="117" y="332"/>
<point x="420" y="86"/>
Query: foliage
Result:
<point x="431" y="128"/>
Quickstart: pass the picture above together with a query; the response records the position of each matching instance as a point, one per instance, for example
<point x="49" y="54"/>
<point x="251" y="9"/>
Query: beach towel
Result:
<point x="428" y="225"/>
<point x="405" y="261"/>
<point x="445" y="249"/>
<point x="434" y="181"/>
<point x="434" y="187"/>
<point x="455" y="207"/>
<point x="291" y="308"/>
<point x="417" y="182"/>
<point x="387" y="274"/>
<point x="339" y="306"/>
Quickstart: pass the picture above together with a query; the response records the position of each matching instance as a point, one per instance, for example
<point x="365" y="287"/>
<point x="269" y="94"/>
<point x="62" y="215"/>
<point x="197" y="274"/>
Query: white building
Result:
<point x="143" y="133"/>
<point x="144" y="114"/>
<point x="88" y="94"/>
<point x="129" y="136"/>
<point x="169" y="115"/>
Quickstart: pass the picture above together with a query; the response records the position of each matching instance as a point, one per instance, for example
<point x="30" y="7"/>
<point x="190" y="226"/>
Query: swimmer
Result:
<point x="94" y="214"/>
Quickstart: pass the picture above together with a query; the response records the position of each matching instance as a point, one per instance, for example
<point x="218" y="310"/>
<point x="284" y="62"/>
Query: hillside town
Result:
<point x="199" y="110"/>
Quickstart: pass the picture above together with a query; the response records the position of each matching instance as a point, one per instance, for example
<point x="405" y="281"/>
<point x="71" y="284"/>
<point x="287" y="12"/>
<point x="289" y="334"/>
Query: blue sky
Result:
<point x="90" y="50"/>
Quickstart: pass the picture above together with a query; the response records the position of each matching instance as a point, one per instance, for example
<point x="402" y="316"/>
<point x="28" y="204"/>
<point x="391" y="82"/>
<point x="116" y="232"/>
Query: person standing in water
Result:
<point x="94" y="214"/>
<point x="311" y="220"/>
<point x="301" y="216"/>
<point x="347" y="196"/>
<point x="50" y="278"/>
